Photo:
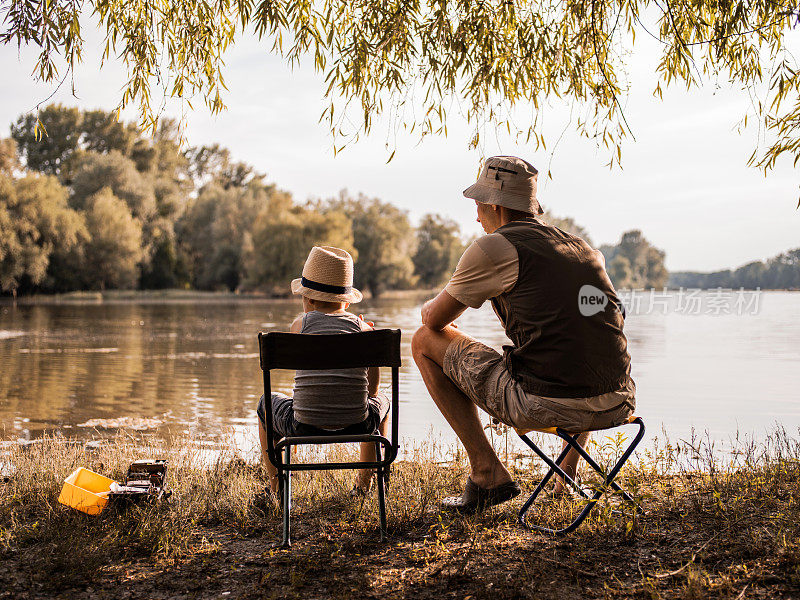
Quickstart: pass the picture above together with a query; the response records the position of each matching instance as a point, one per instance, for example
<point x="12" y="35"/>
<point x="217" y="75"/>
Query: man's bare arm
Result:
<point x="441" y="311"/>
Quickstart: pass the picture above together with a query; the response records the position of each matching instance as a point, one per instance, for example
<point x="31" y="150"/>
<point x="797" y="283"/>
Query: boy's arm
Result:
<point x="373" y="381"/>
<point x="373" y="373"/>
<point x="297" y="325"/>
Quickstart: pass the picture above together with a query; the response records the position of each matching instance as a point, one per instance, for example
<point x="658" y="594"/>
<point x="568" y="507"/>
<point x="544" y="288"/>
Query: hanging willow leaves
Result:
<point x="409" y="59"/>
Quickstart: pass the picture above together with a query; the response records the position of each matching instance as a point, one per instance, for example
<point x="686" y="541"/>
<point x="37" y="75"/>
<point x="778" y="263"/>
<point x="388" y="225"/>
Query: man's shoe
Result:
<point x="476" y="499"/>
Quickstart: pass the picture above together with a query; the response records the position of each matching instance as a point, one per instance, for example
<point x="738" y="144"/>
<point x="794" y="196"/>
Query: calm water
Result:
<point x="173" y="367"/>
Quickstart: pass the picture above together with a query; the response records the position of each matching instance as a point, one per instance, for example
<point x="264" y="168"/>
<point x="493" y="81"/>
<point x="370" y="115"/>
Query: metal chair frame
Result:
<point x="379" y="348"/>
<point x="608" y="477"/>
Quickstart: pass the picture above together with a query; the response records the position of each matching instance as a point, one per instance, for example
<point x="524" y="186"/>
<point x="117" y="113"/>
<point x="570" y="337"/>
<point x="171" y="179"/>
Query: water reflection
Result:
<point x="192" y="366"/>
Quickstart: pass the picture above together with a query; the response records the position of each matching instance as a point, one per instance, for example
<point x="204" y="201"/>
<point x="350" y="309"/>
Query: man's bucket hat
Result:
<point x="328" y="276"/>
<point x="507" y="181"/>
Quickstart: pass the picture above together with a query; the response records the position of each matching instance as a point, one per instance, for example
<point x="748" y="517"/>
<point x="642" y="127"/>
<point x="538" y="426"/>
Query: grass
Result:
<point x="715" y="526"/>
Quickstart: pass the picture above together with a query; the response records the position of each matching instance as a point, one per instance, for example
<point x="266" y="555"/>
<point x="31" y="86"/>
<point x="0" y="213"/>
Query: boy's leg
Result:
<point x="282" y="413"/>
<point x="570" y="464"/>
<point x="272" y="472"/>
<point x="367" y="454"/>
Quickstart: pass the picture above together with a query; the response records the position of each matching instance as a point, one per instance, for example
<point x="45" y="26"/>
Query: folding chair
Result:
<point x="608" y="478"/>
<point x="380" y="348"/>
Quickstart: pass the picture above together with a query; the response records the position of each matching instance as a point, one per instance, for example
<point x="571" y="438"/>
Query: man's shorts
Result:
<point x="480" y="373"/>
<point x="285" y="424"/>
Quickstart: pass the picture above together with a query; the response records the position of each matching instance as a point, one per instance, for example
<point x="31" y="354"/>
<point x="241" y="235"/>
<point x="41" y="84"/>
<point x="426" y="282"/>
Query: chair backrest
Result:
<point x="379" y="348"/>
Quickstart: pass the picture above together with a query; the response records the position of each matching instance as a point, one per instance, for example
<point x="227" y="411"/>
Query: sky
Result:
<point x="685" y="181"/>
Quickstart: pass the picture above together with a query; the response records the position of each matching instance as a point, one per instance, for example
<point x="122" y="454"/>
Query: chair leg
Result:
<point x="381" y="493"/>
<point x="286" y="500"/>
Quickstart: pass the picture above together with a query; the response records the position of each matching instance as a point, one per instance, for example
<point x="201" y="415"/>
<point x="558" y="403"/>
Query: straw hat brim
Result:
<point x="352" y="297"/>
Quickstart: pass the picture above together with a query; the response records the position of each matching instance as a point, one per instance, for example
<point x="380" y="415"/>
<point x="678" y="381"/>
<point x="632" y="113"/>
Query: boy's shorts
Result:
<point x="480" y="373"/>
<point x="286" y="425"/>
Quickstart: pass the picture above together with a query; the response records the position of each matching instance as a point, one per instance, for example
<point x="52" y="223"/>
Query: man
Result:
<point x="568" y="366"/>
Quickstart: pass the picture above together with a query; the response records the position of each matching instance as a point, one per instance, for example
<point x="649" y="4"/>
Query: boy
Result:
<point x="336" y="401"/>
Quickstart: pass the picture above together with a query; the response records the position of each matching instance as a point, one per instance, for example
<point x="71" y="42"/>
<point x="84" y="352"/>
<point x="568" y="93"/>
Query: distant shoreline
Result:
<point x="183" y="296"/>
<point x="179" y="296"/>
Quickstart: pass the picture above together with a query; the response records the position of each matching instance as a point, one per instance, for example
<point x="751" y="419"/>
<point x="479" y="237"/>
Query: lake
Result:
<point x="718" y="362"/>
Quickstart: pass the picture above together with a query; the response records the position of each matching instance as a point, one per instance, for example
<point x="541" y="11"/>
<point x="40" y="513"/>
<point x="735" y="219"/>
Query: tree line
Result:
<point x="88" y="203"/>
<point x="779" y="272"/>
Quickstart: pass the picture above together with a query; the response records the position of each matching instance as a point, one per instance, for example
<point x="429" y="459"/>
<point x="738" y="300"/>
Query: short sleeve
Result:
<point x="488" y="267"/>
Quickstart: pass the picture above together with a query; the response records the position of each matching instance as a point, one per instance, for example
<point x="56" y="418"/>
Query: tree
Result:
<point x="35" y="220"/>
<point x="635" y="263"/>
<point x="783" y="271"/>
<point x="657" y="273"/>
<point x="751" y="275"/>
<point x="95" y="171"/>
<point x="9" y="159"/>
<point x="49" y="140"/>
<point x="439" y="247"/>
<point x="483" y="57"/>
<point x="281" y="241"/>
<point x="619" y="270"/>
<point x="112" y="254"/>
<point x="103" y="133"/>
<point x="567" y="224"/>
<point x="779" y="272"/>
<point x="164" y="268"/>
<point x="383" y="238"/>
<point x="213" y="163"/>
<point x="11" y="266"/>
<point x="215" y="230"/>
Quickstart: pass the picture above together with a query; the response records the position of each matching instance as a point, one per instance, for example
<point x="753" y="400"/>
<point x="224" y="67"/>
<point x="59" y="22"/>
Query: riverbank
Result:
<point x="707" y="532"/>
<point x="181" y="296"/>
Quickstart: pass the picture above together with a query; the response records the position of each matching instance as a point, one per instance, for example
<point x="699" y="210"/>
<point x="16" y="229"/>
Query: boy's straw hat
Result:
<point x="328" y="276"/>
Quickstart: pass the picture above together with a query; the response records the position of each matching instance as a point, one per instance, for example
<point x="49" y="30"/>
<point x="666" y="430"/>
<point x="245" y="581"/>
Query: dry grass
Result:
<point x="712" y="528"/>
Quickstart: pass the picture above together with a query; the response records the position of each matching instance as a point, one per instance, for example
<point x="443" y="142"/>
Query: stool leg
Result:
<point x="381" y="493"/>
<point x="608" y="478"/>
<point x="611" y="475"/>
<point x="554" y="468"/>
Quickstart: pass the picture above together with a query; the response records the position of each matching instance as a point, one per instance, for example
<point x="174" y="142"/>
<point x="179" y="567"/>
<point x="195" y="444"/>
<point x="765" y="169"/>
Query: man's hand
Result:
<point x="441" y="311"/>
<point x="426" y="310"/>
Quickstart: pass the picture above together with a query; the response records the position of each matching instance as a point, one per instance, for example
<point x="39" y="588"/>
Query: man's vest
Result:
<point x="563" y="316"/>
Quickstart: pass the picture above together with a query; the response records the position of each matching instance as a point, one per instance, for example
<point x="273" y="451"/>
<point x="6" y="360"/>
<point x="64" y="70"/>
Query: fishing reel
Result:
<point x="144" y="482"/>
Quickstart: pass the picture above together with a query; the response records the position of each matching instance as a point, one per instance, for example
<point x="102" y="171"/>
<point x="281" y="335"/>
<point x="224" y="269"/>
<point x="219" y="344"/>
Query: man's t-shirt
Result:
<point x="490" y="267"/>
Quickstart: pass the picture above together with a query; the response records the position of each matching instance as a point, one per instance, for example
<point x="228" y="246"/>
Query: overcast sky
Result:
<point x="685" y="182"/>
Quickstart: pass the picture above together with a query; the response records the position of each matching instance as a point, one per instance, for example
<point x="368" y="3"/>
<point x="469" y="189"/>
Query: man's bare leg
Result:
<point x="367" y="454"/>
<point x="270" y="468"/>
<point x="570" y="464"/>
<point x="428" y="347"/>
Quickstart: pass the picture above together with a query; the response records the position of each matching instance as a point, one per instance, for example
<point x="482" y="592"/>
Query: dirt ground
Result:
<point x="706" y="532"/>
<point x="665" y="556"/>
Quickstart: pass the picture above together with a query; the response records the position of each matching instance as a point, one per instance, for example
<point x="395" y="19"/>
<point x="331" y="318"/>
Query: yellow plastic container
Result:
<point x="86" y="490"/>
